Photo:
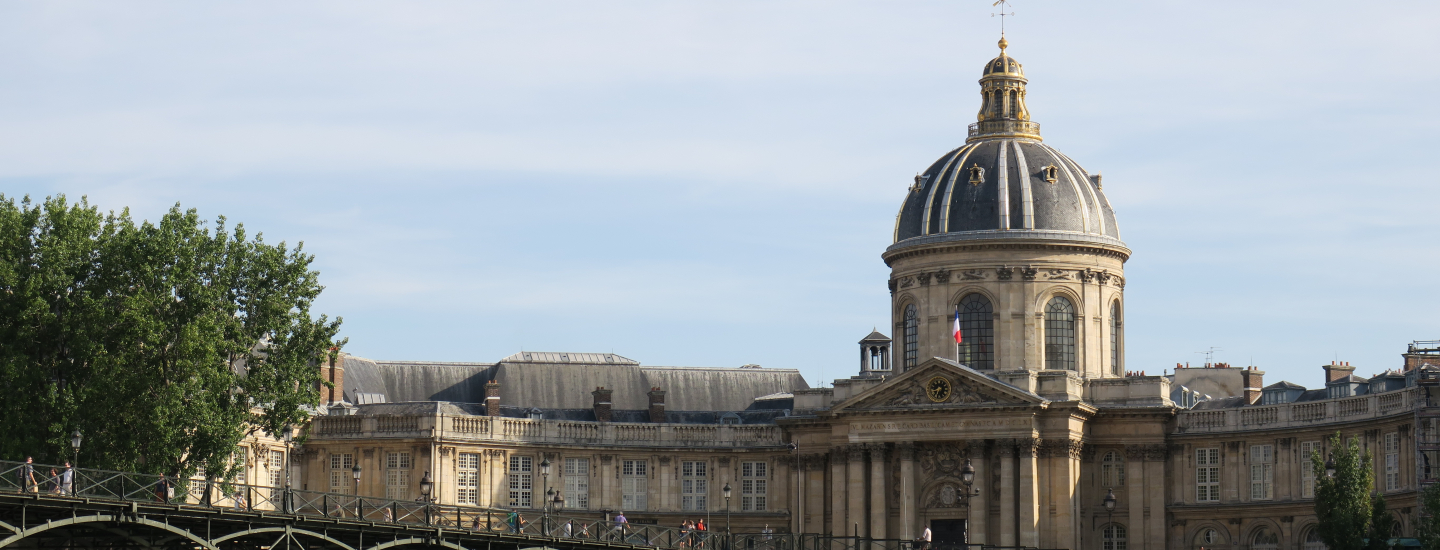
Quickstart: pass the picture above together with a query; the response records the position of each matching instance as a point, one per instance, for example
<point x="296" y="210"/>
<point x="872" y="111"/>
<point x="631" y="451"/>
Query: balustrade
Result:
<point x="1298" y="414"/>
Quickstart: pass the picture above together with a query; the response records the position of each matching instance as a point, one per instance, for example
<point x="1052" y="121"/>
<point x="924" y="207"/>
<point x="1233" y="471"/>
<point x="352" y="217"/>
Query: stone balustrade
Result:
<point x="526" y="431"/>
<point x="1293" y="415"/>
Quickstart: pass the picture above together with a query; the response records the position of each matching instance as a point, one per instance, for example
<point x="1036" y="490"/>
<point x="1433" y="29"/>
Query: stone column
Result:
<point x="814" y="494"/>
<point x="1135" y="480"/>
<point x="855" y="492"/>
<point x="1155" y="497"/>
<point x="878" y="513"/>
<point x="1006" y="451"/>
<point x="837" y="492"/>
<point x="1065" y="468"/>
<point x="907" y="490"/>
<point x="979" y="517"/>
<point x="1029" y="494"/>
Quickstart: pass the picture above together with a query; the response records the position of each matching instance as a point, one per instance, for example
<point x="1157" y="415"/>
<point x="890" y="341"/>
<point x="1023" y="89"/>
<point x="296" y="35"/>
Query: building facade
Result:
<point x="1001" y="413"/>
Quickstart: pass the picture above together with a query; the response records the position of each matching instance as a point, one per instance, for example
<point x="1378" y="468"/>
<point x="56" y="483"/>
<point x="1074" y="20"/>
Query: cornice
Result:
<point x="1020" y="239"/>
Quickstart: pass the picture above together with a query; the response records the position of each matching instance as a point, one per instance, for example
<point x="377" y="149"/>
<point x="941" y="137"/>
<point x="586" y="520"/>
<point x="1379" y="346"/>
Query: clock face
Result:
<point x="938" y="389"/>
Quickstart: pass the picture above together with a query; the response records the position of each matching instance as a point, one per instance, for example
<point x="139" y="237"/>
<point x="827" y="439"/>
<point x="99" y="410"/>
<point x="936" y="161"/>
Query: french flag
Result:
<point x="958" y="339"/>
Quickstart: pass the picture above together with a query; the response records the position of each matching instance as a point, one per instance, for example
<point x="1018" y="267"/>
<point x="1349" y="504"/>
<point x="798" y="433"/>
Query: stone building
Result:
<point x="1010" y="436"/>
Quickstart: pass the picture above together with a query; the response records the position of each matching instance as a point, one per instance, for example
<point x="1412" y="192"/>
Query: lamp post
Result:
<point x="967" y="476"/>
<point x="1109" y="503"/>
<point x="425" y="487"/>
<point x="289" y="437"/>
<point x="1330" y="466"/>
<point x="356" y="473"/>
<point x="75" y="439"/>
<point x="545" y="488"/>
<point x="726" y="491"/>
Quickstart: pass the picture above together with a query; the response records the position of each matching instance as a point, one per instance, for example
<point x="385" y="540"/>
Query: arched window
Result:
<point x="977" y="332"/>
<point x="1312" y="541"/>
<point x="1209" y="539"/>
<point x="1060" y="334"/>
<point x="1112" y="470"/>
<point x="1114" y="535"/>
<point x="1265" y="539"/>
<point x="1115" y="338"/>
<point x="912" y="336"/>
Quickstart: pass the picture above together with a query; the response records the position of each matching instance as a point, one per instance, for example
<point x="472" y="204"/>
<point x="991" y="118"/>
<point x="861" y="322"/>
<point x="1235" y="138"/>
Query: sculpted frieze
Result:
<point x="942" y="459"/>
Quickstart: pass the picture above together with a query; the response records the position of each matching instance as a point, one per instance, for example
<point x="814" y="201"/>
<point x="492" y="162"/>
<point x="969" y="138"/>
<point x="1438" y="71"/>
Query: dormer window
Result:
<point x="977" y="175"/>
<point x="534" y="414"/>
<point x="1052" y="174"/>
<point x="1338" y="390"/>
<point x="730" y="419"/>
<point x="1272" y="398"/>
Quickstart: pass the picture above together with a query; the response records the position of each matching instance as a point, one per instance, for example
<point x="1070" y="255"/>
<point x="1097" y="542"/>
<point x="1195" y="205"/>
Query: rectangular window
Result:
<point x="276" y="467"/>
<point x="1262" y="472"/>
<point x="694" y="486"/>
<point x="341" y="481"/>
<point x="1307" y="469"/>
<point x="397" y="476"/>
<point x="577" y="483"/>
<point x="633" y="485"/>
<point x="467" y="479"/>
<point x="521" y="470"/>
<point x="754" y="486"/>
<point x="1207" y="475"/>
<point x="1392" y="461"/>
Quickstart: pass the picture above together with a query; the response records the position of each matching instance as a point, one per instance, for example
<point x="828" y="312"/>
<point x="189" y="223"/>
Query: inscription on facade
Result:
<point x="939" y="424"/>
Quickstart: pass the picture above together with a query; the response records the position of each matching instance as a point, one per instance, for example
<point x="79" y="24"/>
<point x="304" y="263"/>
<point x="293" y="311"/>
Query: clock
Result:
<point x="938" y="389"/>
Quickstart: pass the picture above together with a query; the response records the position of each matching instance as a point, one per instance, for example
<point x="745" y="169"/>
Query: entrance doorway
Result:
<point x="947" y="533"/>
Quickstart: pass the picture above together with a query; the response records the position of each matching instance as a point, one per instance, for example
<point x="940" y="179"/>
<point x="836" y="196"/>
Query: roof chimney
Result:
<point x="492" y="398"/>
<point x="602" y="403"/>
<point x="334" y="373"/>
<point x="1253" y="380"/>
<point x="657" y="404"/>
<point x="1335" y="371"/>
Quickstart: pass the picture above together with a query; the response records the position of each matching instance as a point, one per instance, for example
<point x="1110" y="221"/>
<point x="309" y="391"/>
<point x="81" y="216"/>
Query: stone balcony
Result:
<point x="1297" y="415"/>
<point x="521" y="431"/>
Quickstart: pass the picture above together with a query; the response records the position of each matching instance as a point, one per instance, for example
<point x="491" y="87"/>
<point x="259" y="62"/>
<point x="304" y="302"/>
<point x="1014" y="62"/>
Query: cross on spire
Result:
<point x="1003" y="5"/>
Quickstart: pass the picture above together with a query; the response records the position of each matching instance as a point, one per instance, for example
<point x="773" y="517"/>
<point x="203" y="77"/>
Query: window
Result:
<point x="1392" y="461"/>
<point x="467" y="479"/>
<point x="877" y="358"/>
<point x="1313" y="542"/>
<point x="1207" y="475"/>
<point x="276" y="467"/>
<point x="341" y="481"/>
<point x="693" y="486"/>
<point x="1307" y="469"/>
<point x="1115" y="339"/>
<point x="521" y="470"/>
<point x="1112" y="470"/>
<point x="1209" y="537"/>
<point x="1338" y="390"/>
<point x="241" y="470"/>
<point x="754" y="486"/>
<point x="977" y="332"/>
<point x="912" y="336"/>
<point x="1060" y="334"/>
<point x="397" y="476"/>
<point x="633" y="485"/>
<point x="1114" y="536"/>
<point x="1262" y="472"/>
<point x="577" y="483"/>
<point x="1265" y="539"/>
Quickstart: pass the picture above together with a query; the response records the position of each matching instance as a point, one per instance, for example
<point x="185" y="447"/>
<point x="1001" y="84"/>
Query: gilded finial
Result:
<point x="1003" y="45"/>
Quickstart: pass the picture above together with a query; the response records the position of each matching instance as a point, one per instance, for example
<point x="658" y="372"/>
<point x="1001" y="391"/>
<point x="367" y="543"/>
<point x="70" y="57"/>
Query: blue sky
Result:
<point x="712" y="183"/>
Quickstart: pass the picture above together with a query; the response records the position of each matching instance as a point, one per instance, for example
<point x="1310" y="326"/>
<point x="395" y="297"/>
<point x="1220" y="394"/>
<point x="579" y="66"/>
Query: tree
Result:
<point x="1350" y="518"/>
<point x="163" y="343"/>
<point x="1428" y="522"/>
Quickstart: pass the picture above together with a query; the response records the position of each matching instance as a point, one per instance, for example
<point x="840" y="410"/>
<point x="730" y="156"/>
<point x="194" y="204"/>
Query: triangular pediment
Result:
<point x="941" y="383"/>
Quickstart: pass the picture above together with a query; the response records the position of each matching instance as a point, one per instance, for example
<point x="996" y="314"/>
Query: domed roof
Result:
<point x="1005" y="183"/>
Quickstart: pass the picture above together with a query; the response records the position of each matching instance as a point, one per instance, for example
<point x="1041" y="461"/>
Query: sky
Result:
<point x="711" y="183"/>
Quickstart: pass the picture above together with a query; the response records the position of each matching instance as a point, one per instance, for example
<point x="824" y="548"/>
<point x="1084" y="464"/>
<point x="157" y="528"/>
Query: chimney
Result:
<point x="1335" y="371"/>
<point x="657" y="404"/>
<point x="492" y="398"/>
<point x="334" y="373"/>
<point x="602" y="403"/>
<point x="1254" y="381"/>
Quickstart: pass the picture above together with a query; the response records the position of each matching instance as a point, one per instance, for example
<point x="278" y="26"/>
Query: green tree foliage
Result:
<point x="1428" y="524"/>
<point x="1350" y="517"/>
<point x="163" y="343"/>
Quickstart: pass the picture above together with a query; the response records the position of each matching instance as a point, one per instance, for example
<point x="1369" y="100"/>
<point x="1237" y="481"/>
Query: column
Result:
<point x="979" y="517"/>
<point x="667" y="494"/>
<point x="1006" y="450"/>
<point x="855" y="492"/>
<point x="1029" y="494"/>
<point x="607" y="473"/>
<point x="878" y="515"/>
<point x="815" y="495"/>
<point x="1155" y="497"/>
<point x="1135" y="480"/>
<point x="837" y="492"/>
<point x="1065" y="468"/>
<point x="907" y="490"/>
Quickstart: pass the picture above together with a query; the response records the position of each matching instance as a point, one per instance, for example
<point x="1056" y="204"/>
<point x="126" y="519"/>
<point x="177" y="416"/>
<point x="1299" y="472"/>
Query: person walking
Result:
<point x="924" y="539"/>
<point x="162" y="489"/>
<point x="620" y="524"/>
<point x="67" y="480"/>
<point x="27" y="476"/>
<point x="52" y="483"/>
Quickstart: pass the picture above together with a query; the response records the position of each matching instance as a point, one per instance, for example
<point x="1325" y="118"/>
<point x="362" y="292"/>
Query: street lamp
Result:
<point x="545" y="490"/>
<point x="425" y="487"/>
<point x="1109" y="503"/>
<point x="75" y="462"/>
<point x="1330" y="466"/>
<point x="726" y="491"/>
<point x="358" y="503"/>
<point x="289" y="436"/>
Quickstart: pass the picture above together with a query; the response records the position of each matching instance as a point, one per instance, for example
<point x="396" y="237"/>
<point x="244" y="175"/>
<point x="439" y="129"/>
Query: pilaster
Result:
<point x="878" y="514"/>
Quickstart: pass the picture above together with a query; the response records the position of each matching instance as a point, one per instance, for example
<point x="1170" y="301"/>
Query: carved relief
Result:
<point x="724" y="462"/>
<point x="942" y="276"/>
<point x="910" y="395"/>
<point x="907" y="282"/>
<point x="948" y="495"/>
<point x="1004" y="273"/>
<point x="924" y="278"/>
<point x="892" y="285"/>
<point x="1087" y="453"/>
<point x="1029" y="273"/>
<point x="942" y="459"/>
<point x="1054" y="274"/>
<point x="605" y="459"/>
<point x="664" y="461"/>
<point x="1086" y="275"/>
<point x="1119" y="281"/>
<point x="973" y="275"/>
<point x="1005" y="448"/>
<point x="1102" y="276"/>
<point x="855" y="453"/>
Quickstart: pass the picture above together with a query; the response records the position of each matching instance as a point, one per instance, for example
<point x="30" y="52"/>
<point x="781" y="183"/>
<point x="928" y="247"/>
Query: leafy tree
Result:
<point x="163" y="343"/>
<point x="1428" y="526"/>
<point x="1350" y="517"/>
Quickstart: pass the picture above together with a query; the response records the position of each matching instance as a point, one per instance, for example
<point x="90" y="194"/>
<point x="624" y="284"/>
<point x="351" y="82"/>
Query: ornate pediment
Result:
<point x="940" y="383"/>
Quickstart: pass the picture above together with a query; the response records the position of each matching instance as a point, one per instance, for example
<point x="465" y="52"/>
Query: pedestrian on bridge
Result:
<point x="67" y="480"/>
<point x="163" y="488"/>
<point x="27" y="476"/>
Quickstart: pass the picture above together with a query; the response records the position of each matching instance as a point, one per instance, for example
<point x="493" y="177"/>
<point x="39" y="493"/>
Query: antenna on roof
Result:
<point x="1209" y="354"/>
<point x="1003" y="5"/>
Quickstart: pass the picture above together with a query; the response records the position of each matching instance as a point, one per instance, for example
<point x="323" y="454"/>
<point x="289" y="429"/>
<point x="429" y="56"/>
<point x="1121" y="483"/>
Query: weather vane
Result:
<point x="1003" y="4"/>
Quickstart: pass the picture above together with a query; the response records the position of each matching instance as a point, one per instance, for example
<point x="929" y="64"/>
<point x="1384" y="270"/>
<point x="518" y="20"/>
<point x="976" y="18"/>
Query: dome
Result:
<point x="1005" y="183"/>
